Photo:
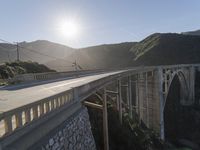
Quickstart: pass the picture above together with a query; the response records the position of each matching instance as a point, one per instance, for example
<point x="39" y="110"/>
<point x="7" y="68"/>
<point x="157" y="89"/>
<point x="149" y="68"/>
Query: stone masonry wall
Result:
<point x="75" y="135"/>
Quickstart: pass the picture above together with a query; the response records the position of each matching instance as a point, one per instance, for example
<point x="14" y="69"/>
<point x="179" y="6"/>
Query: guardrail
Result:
<point x="50" y="75"/>
<point x="22" y="116"/>
<point x="18" y="118"/>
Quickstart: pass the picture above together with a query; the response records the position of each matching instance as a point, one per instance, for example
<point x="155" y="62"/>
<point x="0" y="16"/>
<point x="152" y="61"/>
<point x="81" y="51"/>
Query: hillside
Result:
<point x="60" y="57"/>
<point x="8" y="70"/>
<point x="196" y="32"/>
<point x="98" y="57"/>
<point x="39" y="51"/>
<point x="167" y="49"/>
<point x="156" y="49"/>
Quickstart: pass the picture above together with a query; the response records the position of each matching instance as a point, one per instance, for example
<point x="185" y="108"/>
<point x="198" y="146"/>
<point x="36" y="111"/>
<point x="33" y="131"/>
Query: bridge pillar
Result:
<point x="161" y="97"/>
<point x="192" y="85"/>
<point x="137" y="97"/>
<point x="105" y="121"/>
<point x="130" y="96"/>
<point x="120" y="99"/>
<point x="147" y="99"/>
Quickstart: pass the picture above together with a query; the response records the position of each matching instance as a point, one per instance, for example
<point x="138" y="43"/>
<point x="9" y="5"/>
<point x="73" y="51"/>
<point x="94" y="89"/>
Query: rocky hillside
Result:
<point x="8" y="70"/>
<point x="167" y="49"/>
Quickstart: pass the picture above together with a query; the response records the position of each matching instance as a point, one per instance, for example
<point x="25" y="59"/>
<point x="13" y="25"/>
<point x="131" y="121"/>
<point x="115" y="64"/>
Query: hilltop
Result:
<point x="196" y="32"/>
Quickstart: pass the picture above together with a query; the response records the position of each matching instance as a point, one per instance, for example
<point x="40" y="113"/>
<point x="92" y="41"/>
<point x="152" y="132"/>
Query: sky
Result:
<point x="98" y="21"/>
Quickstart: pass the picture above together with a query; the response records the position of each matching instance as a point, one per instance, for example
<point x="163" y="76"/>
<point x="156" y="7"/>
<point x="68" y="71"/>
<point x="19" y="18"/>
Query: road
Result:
<point x="12" y="97"/>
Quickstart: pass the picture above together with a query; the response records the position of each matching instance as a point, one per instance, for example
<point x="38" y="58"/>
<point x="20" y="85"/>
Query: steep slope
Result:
<point x="98" y="57"/>
<point x="166" y="49"/>
<point x="196" y="32"/>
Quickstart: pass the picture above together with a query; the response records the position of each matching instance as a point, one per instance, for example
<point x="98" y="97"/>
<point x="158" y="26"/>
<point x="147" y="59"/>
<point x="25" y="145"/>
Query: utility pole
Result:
<point x="76" y="66"/>
<point x="17" y="51"/>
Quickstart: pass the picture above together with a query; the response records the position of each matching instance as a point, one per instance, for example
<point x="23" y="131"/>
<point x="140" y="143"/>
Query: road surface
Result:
<point x="15" y="96"/>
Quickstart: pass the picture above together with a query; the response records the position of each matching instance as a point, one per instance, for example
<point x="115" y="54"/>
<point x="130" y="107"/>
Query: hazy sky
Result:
<point x="99" y="21"/>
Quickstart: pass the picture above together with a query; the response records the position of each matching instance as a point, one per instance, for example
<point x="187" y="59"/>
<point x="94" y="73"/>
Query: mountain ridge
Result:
<point x="156" y="49"/>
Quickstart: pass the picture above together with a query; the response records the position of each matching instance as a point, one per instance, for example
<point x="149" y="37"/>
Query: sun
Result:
<point x="69" y="28"/>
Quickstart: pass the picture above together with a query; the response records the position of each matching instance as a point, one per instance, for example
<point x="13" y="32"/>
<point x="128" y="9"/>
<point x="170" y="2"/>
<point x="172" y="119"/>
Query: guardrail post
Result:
<point x="47" y="107"/>
<point x="52" y="104"/>
<point x="105" y="121"/>
<point x="27" y="116"/>
<point x="8" y="124"/>
<point x="35" y="112"/>
<point x="41" y="109"/>
<point x="18" y="118"/>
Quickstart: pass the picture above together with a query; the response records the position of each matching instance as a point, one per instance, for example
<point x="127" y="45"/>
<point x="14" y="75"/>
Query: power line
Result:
<point x="31" y="50"/>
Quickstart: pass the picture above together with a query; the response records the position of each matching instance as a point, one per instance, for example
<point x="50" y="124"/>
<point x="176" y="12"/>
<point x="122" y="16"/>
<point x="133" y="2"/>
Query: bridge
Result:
<point x="53" y="115"/>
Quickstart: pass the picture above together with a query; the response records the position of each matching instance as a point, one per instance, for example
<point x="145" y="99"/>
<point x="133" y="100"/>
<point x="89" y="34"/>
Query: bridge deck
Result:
<point x="12" y="97"/>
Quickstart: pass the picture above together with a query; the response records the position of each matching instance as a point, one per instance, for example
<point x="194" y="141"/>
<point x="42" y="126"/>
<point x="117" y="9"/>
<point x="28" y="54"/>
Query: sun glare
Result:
<point x="69" y="28"/>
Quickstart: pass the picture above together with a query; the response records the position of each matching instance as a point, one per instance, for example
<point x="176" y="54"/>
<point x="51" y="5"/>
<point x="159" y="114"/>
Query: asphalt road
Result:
<point x="15" y="96"/>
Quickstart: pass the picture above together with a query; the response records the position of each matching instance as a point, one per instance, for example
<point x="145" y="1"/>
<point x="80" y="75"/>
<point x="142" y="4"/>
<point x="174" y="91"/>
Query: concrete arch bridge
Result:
<point x="52" y="115"/>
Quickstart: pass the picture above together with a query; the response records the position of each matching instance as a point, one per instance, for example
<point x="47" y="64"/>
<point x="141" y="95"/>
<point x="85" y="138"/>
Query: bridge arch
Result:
<point x="176" y="98"/>
<point x="184" y="87"/>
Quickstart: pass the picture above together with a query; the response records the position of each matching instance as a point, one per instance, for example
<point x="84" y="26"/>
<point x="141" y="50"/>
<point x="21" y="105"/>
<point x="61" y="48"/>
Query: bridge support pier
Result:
<point x="119" y="99"/>
<point x="161" y="97"/>
<point x="130" y="96"/>
<point x="105" y="121"/>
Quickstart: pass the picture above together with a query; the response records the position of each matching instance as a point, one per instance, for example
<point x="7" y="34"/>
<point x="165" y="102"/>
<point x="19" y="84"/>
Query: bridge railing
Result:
<point x="20" y="117"/>
<point x="15" y="119"/>
<point x="50" y="75"/>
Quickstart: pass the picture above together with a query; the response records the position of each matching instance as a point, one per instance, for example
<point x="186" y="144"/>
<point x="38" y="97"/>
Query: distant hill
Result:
<point x="60" y="57"/>
<point x="166" y="49"/>
<point x="99" y="57"/>
<point x="196" y="32"/>
<point x="156" y="49"/>
<point x="39" y="51"/>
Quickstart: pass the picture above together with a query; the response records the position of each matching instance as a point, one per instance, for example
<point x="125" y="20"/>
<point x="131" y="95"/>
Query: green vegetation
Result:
<point x="9" y="70"/>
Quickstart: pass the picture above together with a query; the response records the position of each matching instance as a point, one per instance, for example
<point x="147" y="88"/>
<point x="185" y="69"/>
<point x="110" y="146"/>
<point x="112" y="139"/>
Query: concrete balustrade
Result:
<point x="20" y="117"/>
<point x="149" y="94"/>
<point x="51" y="75"/>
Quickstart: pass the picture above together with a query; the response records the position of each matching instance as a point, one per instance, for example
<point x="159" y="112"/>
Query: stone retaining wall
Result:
<point x="75" y="135"/>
